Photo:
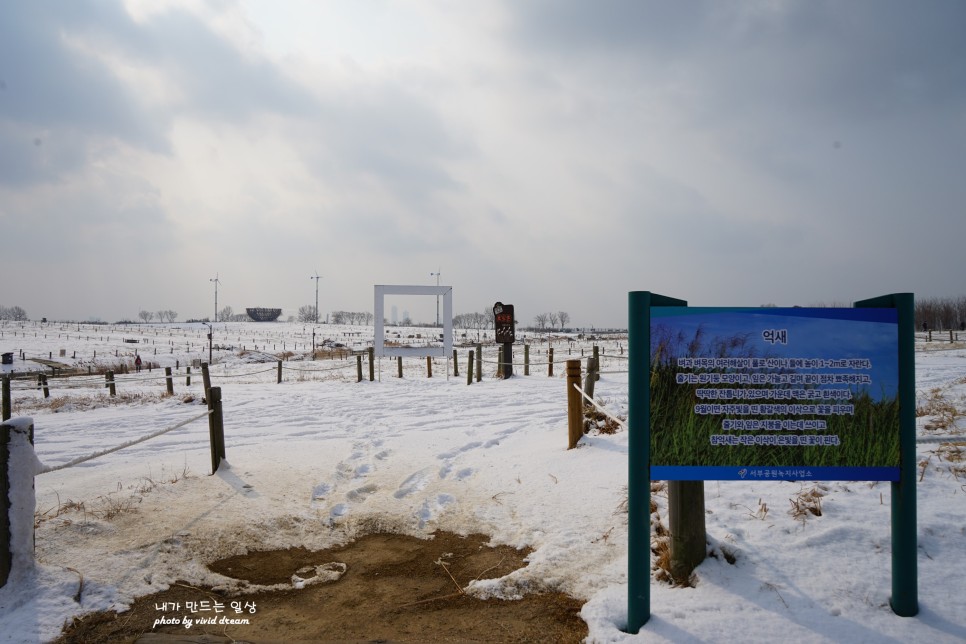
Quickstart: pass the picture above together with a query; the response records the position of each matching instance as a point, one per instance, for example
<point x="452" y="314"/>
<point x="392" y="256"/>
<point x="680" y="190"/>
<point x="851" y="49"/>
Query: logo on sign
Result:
<point x="503" y="322"/>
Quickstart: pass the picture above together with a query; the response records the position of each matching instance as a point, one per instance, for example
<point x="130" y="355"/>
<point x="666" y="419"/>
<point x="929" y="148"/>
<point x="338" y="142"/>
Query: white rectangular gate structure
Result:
<point x="382" y="290"/>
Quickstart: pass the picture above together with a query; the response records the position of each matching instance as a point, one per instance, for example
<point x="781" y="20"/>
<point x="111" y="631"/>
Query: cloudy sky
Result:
<point x="549" y="154"/>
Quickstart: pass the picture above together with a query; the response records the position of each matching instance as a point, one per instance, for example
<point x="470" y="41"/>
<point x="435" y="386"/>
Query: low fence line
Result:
<point x="347" y="365"/>
<point x="17" y="475"/>
<point x="241" y="375"/>
<point x="940" y="439"/>
<point x="599" y="408"/>
<point x="111" y="450"/>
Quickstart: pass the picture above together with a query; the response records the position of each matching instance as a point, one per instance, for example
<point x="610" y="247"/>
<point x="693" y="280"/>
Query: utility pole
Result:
<point x="216" y="281"/>
<point x="316" y="277"/>
<point x="210" y="334"/>
<point x="437" y="274"/>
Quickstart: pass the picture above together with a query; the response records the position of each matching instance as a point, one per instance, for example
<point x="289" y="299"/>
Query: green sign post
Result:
<point x="776" y="394"/>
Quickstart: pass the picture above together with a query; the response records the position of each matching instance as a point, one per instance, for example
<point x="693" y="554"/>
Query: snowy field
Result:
<point x="321" y="458"/>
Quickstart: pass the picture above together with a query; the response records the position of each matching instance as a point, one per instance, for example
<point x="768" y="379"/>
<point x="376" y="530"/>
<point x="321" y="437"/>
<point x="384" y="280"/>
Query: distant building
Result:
<point x="263" y="315"/>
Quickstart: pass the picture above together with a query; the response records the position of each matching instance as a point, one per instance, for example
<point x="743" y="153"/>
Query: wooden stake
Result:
<point x="575" y="409"/>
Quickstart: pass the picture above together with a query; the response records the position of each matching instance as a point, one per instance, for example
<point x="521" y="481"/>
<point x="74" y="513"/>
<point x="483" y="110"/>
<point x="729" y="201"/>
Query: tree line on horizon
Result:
<point x="15" y="313"/>
<point x="941" y="313"/>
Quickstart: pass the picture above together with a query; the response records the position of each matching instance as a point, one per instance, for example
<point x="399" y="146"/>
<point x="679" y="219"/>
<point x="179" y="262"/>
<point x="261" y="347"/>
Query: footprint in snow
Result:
<point x="339" y="511"/>
<point x="414" y="483"/>
<point x="432" y="507"/>
<point x="362" y="493"/>
<point x="320" y="491"/>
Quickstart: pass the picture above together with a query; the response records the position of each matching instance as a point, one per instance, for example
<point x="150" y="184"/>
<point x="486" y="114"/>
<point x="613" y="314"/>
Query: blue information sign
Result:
<point x="774" y="394"/>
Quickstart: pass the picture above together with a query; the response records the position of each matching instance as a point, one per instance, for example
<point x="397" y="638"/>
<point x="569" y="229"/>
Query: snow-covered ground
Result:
<point x="321" y="458"/>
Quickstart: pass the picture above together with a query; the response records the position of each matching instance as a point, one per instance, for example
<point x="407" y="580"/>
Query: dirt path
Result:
<point x="393" y="588"/>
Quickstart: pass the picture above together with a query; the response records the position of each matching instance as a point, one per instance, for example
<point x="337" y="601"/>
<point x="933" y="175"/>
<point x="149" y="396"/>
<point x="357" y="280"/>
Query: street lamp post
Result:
<point x="210" y="333"/>
<point x="316" y="277"/>
<point x="437" y="274"/>
<point x="216" y="281"/>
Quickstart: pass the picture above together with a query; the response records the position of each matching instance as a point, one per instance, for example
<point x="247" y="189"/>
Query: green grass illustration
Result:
<point x="679" y="436"/>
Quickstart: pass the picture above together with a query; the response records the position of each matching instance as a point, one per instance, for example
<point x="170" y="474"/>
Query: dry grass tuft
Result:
<point x="759" y="513"/>
<point x="597" y="422"/>
<point x="954" y="455"/>
<point x="55" y="404"/>
<point x="808" y="502"/>
<point x="109" y="506"/>
<point x="661" y="549"/>
<point x="944" y="412"/>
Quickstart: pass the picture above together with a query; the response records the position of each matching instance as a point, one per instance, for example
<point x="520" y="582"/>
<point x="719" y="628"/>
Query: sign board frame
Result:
<point x="905" y="592"/>
<point x="379" y="308"/>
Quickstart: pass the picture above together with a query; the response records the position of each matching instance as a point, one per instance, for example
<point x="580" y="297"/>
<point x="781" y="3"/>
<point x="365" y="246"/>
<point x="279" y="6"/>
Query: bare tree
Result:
<point x="15" y="313"/>
<point x="226" y="314"/>
<point x="553" y="319"/>
<point x="489" y="318"/>
<point x="172" y="315"/>
<point x="540" y="319"/>
<point x="564" y="318"/>
<point x="307" y="313"/>
<point x="146" y="316"/>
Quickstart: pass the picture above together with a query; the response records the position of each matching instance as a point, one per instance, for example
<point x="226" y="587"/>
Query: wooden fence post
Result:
<point x="456" y="363"/>
<point x="469" y="367"/>
<point x="9" y="435"/>
<point x="526" y="360"/>
<point x="575" y="409"/>
<point x="109" y="377"/>
<point x="372" y="364"/>
<point x="169" y="380"/>
<point x="686" y="523"/>
<point x="399" y="365"/>
<point x="550" y="362"/>
<point x="429" y="366"/>
<point x="216" y="428"/>
<point x="6" y="398"/>
<point x="359" y="367"/>
<point x="279" y="372"/>
<point x="43" y="384"/>
<point x="591" y="377"/>
<point x="205" y="378"/>
<point x="187" y="377"/>
<point x="479" y="362"/>
<point x="596" y="363"/>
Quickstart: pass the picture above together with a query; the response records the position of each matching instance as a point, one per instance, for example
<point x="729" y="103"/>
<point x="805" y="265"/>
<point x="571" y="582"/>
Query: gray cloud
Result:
<point x="722" y="152"/>
<point x="56" y="90"/>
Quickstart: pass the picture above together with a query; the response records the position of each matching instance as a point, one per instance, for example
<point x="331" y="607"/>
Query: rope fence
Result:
<point x="347" y="365"/>
<point x="17" y="435"/>
<point x="599" y="408"/>
<point x="242" y="375"/>
<point x="130" y="443"/>
<point x="940" y="439"/>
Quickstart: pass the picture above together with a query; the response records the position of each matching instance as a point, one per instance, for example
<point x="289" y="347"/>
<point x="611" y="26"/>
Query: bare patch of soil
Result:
<point x="395" y="588"/>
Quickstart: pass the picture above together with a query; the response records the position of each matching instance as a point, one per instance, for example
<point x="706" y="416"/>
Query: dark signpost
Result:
<point x="771" y="394"/>
<point x="505" y="334"/>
